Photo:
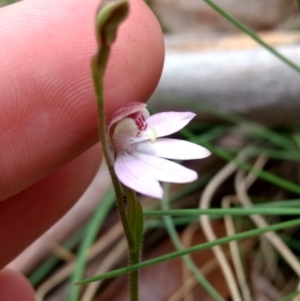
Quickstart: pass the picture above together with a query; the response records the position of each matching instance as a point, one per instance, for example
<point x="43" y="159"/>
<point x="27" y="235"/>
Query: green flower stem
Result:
<point x="99" y="62"/>
<point x="197" y="248"/>
<point x="222" y="212"/>
<point x="109" y="17"/>
<point x="136" y="222"/>
<point x="134" y="258"/>
<point x="252" y="34"/>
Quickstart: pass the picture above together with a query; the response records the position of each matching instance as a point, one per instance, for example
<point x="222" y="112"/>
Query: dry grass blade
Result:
<point x="108" y="262"/>
<point x="235" y="254"/>
<point x="101" y="244"/>
<point x="187" y="241"/>
<point x="204" y="203"/>
<point x="241" y="185"/>
<point x="59" y="251"/>
<point x="206" y="269"/>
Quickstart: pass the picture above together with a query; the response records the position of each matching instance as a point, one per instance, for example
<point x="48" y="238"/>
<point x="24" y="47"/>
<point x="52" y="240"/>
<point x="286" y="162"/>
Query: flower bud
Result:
<point x="109" y="16"/>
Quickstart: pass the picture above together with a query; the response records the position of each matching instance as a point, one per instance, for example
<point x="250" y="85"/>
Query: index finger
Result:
<point x="47" y="105"/>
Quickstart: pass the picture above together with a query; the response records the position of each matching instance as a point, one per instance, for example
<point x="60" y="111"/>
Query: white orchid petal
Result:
<point x="168" y="123"/>
<point x="173" y="149"/>
<point x="132" y="173"/>
<point x="164" y="170"/>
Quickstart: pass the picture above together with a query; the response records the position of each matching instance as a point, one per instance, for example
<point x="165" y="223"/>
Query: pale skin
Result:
<point x="48" y="126"/>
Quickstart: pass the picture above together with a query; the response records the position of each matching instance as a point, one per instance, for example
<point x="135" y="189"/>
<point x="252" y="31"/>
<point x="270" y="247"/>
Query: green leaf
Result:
<point x="136" y="221"/>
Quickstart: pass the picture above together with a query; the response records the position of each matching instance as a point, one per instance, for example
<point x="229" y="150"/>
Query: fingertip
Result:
<point x="14" y="287"/>
<point x="48" y="112"/>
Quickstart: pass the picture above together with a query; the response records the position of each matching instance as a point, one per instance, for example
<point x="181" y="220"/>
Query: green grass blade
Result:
<point x="184" y="220"/>
<point x="245" y="166"/>
<point x="252" y="34"/>
<point x="197" y="248"/>
<point x="45" y="268"/>
<point x="270" y="153"/>
<point x="92" y="230"/>
<point x="279" y="204"/>
<point x="290" y="296"/>
<point x="177" y="221"/>
<point x="254" y="128"/>
<point x="222" y="212"/>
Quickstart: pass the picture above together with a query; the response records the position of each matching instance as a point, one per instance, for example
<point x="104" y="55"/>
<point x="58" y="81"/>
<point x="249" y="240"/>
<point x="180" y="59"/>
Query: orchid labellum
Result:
<point x="139" y="150"/>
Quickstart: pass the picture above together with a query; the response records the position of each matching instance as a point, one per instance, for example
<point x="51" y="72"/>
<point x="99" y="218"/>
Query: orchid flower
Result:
<point x="139" y="151"/>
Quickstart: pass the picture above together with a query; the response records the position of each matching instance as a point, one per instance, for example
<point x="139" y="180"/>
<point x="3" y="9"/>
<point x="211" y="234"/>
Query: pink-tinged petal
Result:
<point x="137" y="177"/>
<point x="173" y="149"/>
<point x="164" y="170"/>
<point x="126" y="110"/>
<point x="168" y="123"/>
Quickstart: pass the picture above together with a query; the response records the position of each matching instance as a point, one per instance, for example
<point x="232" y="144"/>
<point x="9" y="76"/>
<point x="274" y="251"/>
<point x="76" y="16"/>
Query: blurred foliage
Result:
<point x="7" y="2"/>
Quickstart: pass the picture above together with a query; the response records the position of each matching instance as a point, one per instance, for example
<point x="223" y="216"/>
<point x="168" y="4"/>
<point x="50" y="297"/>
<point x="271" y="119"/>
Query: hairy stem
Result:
<point x="134" y="258"/>
<point x="99" y="62"/>
<point x="135" y="218"/>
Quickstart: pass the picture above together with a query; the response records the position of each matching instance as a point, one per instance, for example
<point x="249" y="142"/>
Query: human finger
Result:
<point x="14" y="286"/>
<point x="25" y="216"/>
<point x="47" y="105"/>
